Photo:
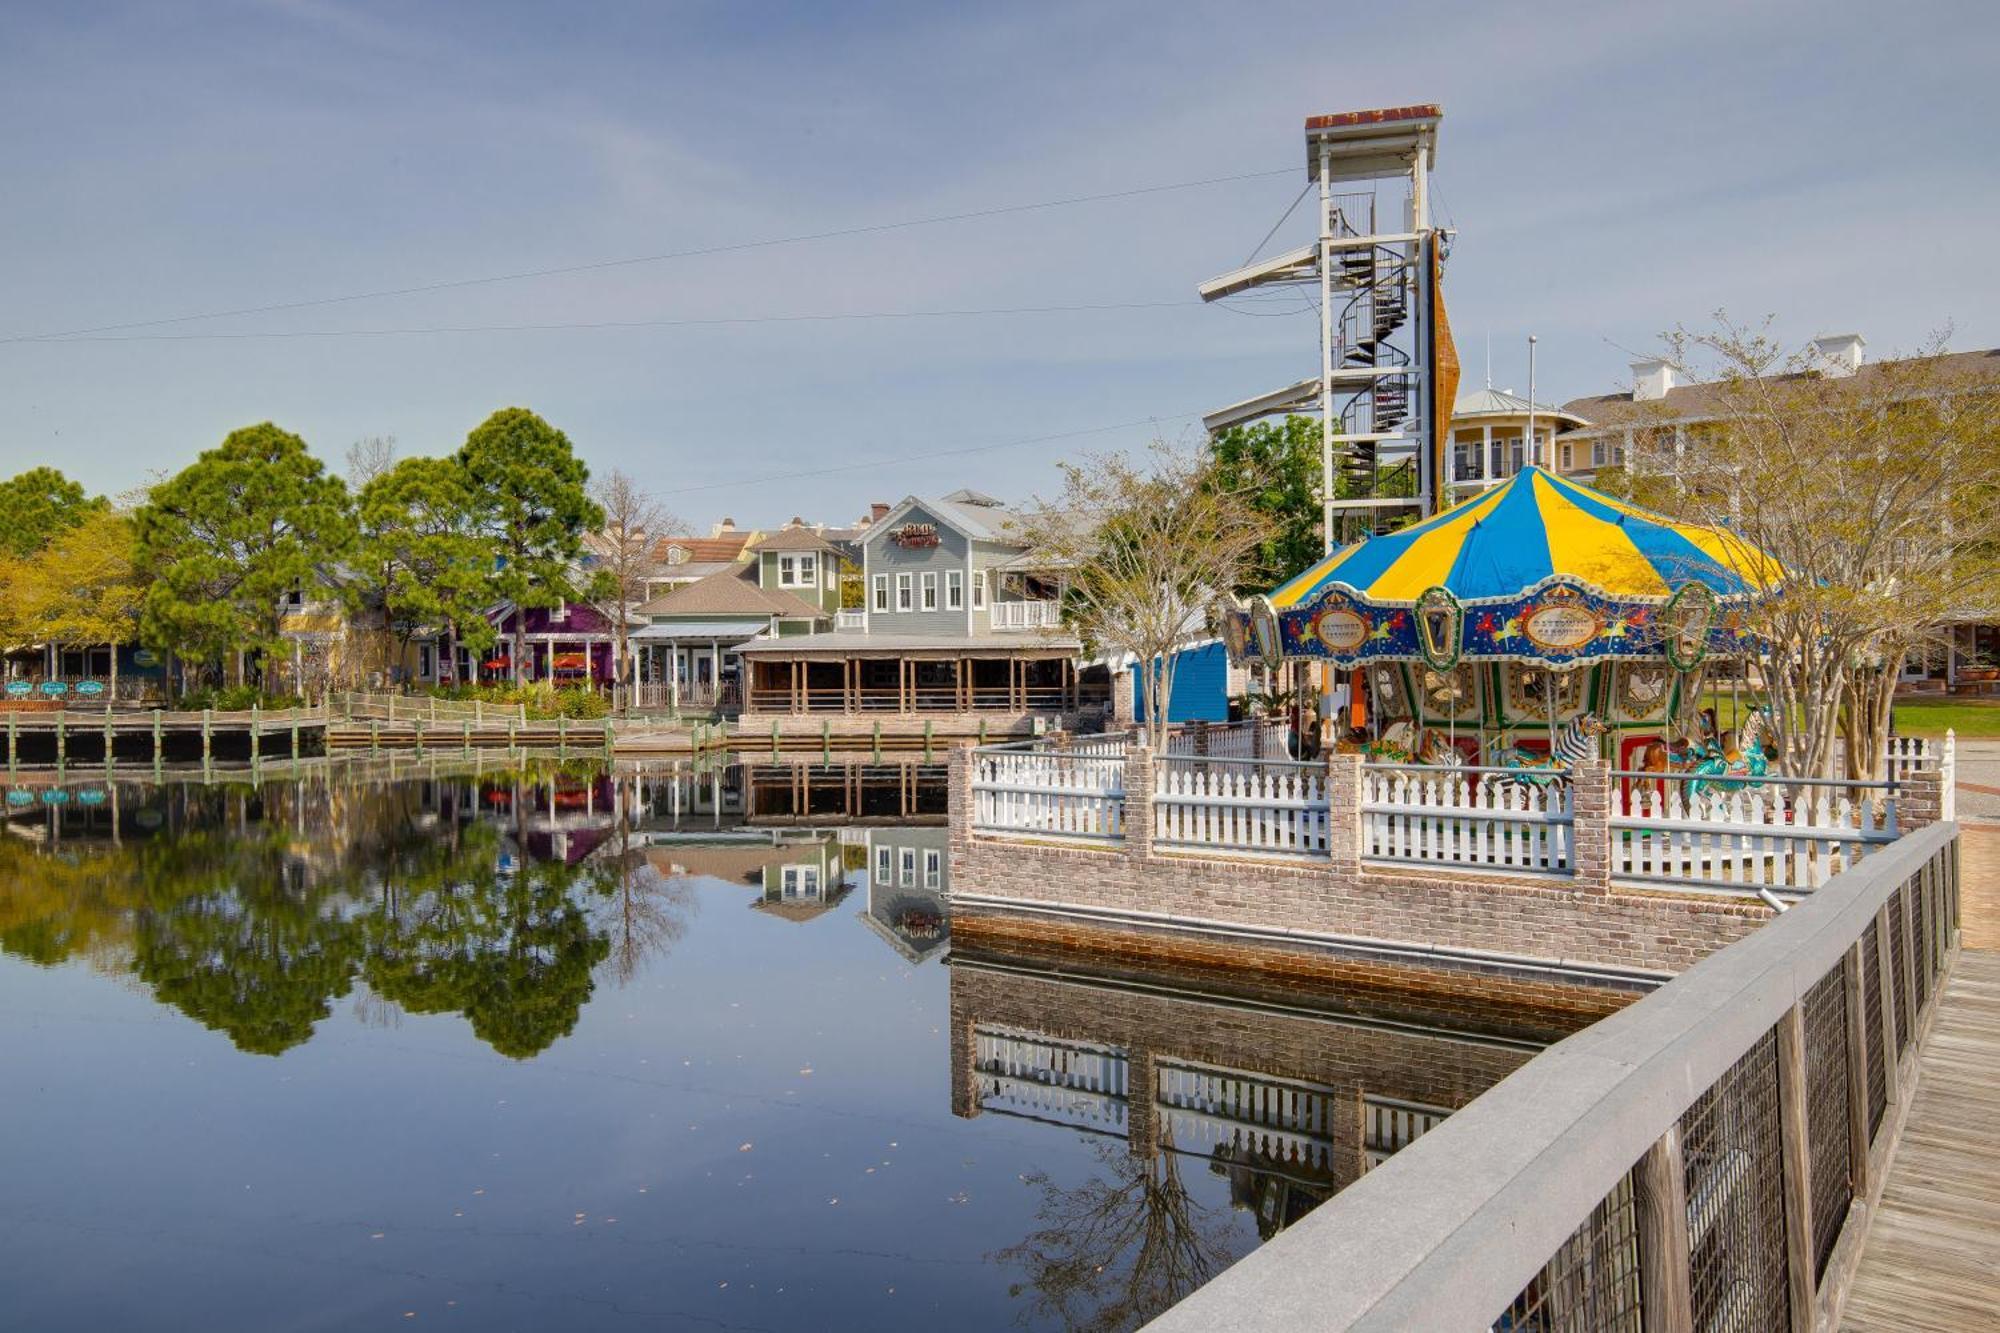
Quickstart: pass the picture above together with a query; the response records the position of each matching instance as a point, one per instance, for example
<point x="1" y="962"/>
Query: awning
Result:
<point x="701" y="631"/>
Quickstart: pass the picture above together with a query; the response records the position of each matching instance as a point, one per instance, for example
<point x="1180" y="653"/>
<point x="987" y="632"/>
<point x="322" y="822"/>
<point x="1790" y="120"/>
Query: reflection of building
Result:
<point x="1290" y="1093"/>
<point x="908" y="870"/>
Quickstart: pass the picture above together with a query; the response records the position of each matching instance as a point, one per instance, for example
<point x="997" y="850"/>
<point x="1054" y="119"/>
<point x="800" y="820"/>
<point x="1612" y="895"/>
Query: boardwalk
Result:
<point x="1932" y="1259"/>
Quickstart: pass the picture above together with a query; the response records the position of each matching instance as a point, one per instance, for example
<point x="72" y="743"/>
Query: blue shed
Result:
<point x="1201" y="685"/>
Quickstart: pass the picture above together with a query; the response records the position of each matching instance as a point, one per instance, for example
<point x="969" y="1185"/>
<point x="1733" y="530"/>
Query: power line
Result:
<point x="930" y="453"/>
<point x="614" y="323"/>
<point x="663" y="257"/>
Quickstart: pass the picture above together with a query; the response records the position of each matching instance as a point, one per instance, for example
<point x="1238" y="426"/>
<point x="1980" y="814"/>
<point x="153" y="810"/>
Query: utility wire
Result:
<point x="618" y="323"/>
<point x="663" y="257"/>
<point x="930" y="453"/>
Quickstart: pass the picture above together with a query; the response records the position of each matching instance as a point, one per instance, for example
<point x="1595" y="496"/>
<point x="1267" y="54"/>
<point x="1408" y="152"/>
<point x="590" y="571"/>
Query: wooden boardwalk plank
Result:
<point x="1932" y="1258"/>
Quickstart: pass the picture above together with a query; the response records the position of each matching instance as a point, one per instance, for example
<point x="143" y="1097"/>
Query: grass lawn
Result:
<point x="1916" y="715"/>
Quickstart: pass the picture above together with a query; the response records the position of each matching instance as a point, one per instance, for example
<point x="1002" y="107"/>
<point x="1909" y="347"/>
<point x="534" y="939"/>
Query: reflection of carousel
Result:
<point x="1522" y="628"/>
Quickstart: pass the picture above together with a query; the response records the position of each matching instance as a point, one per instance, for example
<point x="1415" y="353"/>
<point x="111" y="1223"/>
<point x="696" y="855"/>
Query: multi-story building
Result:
<point x="958" y="619"/>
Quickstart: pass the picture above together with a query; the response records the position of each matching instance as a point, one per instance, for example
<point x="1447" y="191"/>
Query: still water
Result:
<point x="565" y="1047"/>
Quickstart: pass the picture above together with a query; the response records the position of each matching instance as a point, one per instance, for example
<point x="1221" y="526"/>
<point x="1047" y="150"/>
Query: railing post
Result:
<point x="1885" y="1046"/>
<point x="958" y="808"/>
<point x="1343" y="815"/>
<point x="1855" y="998"/>
<point x="1919" y="799"/>
<point x="1138" y="816"/>
<point x="1796" y="1156"/>
<point x="1659" y="1196"/>
<point x="1590" y="825"/>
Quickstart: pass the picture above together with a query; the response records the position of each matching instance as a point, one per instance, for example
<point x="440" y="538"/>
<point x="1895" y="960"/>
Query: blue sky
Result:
<point x="1613" y="170"/>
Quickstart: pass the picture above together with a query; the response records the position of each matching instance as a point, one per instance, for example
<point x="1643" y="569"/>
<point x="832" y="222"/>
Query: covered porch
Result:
<point x="946" y="679"/>
<point x="692" y="664"/>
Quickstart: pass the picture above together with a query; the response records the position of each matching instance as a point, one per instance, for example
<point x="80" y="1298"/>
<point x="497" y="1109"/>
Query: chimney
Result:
<point x="723" y="529"/>
<point x="796" y="522"/>
<point x="1840" y="354"/>
<point x="878" y="511"/>
<point x="1651" y="380"/>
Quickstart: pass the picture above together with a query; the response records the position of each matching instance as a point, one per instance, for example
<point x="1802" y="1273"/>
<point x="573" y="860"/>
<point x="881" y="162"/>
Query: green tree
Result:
<point x="229" y="537"/>
<point x="1275" y="469"/>
<point x="81" y="589"/>
<point x="37" y="505"/>
<point x="534" y="507"/>
<point x="422" y="553"/>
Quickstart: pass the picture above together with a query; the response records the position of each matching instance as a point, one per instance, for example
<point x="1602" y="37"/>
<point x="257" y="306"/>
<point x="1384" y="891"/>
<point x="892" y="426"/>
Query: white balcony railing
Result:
<point x="1026" y="615"/>
<point x="850" y="620"/>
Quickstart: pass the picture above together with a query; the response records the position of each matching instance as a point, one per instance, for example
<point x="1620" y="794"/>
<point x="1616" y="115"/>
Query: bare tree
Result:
<point x="368" y="458"/>
<point x="634" y="522"/>
<point x="1151" y="547"/>
<point x="1876" y="492"/>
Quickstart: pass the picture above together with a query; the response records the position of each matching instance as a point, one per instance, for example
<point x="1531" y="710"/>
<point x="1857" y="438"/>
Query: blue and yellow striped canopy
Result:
<point x="1535" y="528"/>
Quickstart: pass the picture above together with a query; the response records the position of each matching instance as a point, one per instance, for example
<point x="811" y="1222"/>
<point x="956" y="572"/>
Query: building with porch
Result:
<point x="960" y="627"/>
<point x="1496" y="432"/>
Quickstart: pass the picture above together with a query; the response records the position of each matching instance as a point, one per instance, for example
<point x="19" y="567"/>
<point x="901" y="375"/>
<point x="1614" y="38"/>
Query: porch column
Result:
<point x="715" y="670"/>
<point x="902" y="684"/>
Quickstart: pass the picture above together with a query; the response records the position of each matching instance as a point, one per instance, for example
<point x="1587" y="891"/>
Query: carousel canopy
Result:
<point x="1533" y="529"/>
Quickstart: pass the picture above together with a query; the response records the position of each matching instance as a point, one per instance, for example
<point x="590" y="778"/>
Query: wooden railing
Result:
<point x="1706" y="1158"/>
<point x="1263" y="808"/>
<point x="1048" y="794"/>
<point x="1778" y="834"/>
<point x="365" y="707"/>
<point x="1473" y="817"/>
<point x="918" y="699"/>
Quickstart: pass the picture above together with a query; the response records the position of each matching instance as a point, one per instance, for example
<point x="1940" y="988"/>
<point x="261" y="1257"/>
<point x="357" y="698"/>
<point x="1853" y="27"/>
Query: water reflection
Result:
<point x="253" y="905"/>
<point x="1281" y="1098"/>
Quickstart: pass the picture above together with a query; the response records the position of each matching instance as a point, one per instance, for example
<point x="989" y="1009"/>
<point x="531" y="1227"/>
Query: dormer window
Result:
<point x="798" y="571"/>
<point x="677" y="555"/>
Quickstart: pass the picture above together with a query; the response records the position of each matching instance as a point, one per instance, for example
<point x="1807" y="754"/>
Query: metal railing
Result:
<point x="1468" y="816"/>
<point x="1692" y="1161"/>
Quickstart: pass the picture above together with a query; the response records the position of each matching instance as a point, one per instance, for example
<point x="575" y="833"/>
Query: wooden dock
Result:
<point x="1932" y="1256"/>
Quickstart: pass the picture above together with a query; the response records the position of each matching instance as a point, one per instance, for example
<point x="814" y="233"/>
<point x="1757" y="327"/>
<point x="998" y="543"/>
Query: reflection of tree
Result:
<point x="1118" y="1249"/>
<point x="513" y="953"/>
<point x="643" y="911"/>
<point x="248" y="953"/>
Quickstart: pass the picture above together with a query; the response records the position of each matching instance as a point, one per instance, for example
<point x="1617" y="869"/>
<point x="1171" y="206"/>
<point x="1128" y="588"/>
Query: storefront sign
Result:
<point x="19" y="689"/>
<point x="145" y="657"/>
<point x="916" y="535"/>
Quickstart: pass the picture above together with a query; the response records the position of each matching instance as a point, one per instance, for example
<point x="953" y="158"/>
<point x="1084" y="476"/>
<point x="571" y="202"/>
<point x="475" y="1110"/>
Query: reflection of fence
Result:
<point x="1252" y="1115"/>
<point x="1464" y="817"/>
<point x="1389" y="1126"/>
<point x="1692" y="1161"/>
<point x="1074" y="1082"/>
<point x="1240" y="805"/>
<point x="1778" y="834"/>
<point x="1048" y="793"/>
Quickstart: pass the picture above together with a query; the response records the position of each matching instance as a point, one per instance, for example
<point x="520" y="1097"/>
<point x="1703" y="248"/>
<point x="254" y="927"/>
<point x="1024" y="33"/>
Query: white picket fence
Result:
<point x="1263" y="807"/>
<point x="1464" y="817"/>
<point x="1259" y="738"/>
<point x="1049" y="793"/>
<point x="1786" y="834"/>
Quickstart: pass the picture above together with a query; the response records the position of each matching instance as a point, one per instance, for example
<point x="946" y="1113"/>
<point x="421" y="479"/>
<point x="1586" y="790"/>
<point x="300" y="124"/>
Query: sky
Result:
<point x="1612" y="171"/>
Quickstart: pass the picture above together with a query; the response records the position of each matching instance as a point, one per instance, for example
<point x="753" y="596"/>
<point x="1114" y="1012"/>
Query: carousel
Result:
<point x="1533" y="625"/>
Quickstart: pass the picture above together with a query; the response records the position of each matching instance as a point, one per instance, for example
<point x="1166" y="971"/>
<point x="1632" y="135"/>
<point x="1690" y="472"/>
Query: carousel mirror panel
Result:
<point x="1452" y="694"/>
<point x="1643" y="691"/>
<point x="1529" y="690"/>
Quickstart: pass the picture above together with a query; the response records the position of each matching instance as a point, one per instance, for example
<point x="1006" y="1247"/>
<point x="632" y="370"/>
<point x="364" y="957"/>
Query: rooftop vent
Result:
<point x="1840" y="354"/>
<point x="1651" y="380"/>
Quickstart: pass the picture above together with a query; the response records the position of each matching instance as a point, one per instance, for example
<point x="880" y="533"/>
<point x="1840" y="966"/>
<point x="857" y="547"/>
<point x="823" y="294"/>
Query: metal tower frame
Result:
<point x="1376" y="391"/>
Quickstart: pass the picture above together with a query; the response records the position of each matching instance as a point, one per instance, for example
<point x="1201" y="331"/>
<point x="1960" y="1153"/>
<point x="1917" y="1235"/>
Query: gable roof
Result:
<point x="794" y="538"/>
<point x="705" y="549"/>
<point x="733" y="592"/>
<point x="982" y="518"/>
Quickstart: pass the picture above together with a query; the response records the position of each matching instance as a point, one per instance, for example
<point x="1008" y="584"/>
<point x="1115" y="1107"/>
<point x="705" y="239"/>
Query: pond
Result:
<point x="557" y="1046"/>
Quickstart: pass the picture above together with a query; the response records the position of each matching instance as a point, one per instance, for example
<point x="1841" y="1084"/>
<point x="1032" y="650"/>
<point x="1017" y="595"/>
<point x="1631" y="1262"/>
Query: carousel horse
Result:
<point x="1576" y="742"/>
<point x="1732" y="760"/>
<point x="1403" y="742"/>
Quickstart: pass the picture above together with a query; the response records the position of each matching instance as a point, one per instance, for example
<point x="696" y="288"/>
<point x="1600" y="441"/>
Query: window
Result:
<point x="798" y="571"/>
<point x="979" y="590"/>
<point x="1568" y="461"/>
<point x="954" y="590"/>
<point x="885" y="865"/>
<point x="424" y="661"/>
<point x="903" y="602"/>
<point x="930" y="591"/>
<point x="933" y="868"/>
<point x="881" y="592"/>
<point x="909" y="865"/>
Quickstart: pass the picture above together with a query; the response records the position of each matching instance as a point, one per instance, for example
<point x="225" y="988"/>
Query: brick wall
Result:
<point x="1582" y="920"/>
